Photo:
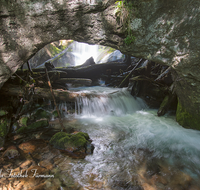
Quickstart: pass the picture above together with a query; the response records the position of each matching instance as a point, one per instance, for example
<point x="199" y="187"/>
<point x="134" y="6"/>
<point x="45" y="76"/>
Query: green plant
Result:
<point x="124" y="12"/>
<point x="121" y="11"/>
<point x="129" y="39"/>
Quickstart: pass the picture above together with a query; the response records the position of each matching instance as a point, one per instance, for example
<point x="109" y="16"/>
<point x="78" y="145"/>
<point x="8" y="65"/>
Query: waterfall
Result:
<point x="132" y="143"/>
<point x="101" y="101"/>
<point x="83" y="51"/>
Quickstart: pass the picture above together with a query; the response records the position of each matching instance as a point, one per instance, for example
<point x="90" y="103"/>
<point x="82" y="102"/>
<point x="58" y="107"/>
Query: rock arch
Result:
<point x="167" y="32"/>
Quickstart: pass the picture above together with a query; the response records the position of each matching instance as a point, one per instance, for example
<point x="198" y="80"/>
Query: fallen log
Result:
<point x="163" y="74"/>
<point x="89" y="72"/>
<point x="168" y="101"/>
<point x="40" y="93"/>
<point x="74" y="81"/>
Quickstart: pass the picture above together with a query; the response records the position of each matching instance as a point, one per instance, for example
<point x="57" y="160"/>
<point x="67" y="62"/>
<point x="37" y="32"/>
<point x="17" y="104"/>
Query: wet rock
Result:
<point x="34" y="126"/>
<point x="11" y="152"/>
<point x="31" y="146"/>
<point x="74" y="144"/>
<point x="186" y="119"/>
<point x="89" y="148"/>
<point x="88" y="62"/>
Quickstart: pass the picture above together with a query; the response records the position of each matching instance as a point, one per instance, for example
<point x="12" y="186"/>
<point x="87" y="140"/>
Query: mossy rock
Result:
<point x="41" y="113"/>
<point x="23" y="121"/>
<point x="34" y="126"/>
<point x="186" y="119"/>
<point x="62" y="140"/>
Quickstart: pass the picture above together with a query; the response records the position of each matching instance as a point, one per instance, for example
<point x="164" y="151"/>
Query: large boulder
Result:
<point x="166" y="32"/>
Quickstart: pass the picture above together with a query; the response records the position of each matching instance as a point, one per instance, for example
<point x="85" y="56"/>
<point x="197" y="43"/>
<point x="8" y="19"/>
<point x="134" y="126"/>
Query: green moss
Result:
<point x="84" y="134"/>
<point x="64" y="140"/>
<point x="4" y="124"/>
<point x="78" y="140"/>
<point x="3" y="112"/>
<point x="164" y="106"/>
<point x="54" y="50"/>
<point x="164" y="102"/>
<point x="40" y="113"/>
<point x="124" y="12"/>
<point x="186" y="119"/>
<point x="33" y="126"/>
<point x="23" y="121"/>
<point x="55" y="113"/>
<point x="129" y="39"/>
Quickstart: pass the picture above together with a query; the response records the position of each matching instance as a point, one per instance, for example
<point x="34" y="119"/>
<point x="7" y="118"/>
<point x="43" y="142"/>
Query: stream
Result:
<point x="134" y="148"/>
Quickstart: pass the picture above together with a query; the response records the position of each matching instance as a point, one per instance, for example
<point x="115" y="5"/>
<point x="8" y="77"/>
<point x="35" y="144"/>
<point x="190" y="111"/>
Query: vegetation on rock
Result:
<point x="125" y="11"/>
<point x="185" y="119"/>
<point x="33" y="126"/>
<point x="64" y="140"/>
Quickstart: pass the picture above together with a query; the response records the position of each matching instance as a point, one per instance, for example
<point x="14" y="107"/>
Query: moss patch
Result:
<point x="185" y="119"/>
<point x="54" y="50"/>
<point x="23" y="121"/>
<point x="33" y="126"/>
<point x="3" y="112"/>
<point x="4" y="126"/>
<point x="164" y="106"/>
<point x="40" y="113"/>
<point x="55" y="113"/>
<point x="64" y="140"/>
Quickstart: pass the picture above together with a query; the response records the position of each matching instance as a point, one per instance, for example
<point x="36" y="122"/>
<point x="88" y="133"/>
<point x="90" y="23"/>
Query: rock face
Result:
<point x="167" y="32"/>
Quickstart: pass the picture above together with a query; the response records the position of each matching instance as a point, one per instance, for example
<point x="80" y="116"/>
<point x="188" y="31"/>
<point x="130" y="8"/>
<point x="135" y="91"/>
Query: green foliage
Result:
<point x="33" y="126"/>
<point x="54" y="50"/>
<point x="3" y="112"/>
<point x="129" y="39"/>
<point x="4" y="123"/>
<point x="23" y="121"/>
<point x="124" y="12"/>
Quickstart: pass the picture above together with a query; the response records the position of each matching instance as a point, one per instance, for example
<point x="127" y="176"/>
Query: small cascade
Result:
<point x="113" y="102"/>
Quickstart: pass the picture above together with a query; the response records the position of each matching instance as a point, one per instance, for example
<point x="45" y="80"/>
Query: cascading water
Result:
<point x="134" y="149"/>
<point x="100" y="101"/>
<point x="83" y="51"/>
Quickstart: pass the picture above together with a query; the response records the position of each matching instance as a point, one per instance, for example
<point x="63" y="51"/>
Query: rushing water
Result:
<point x="134" y="148"/>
